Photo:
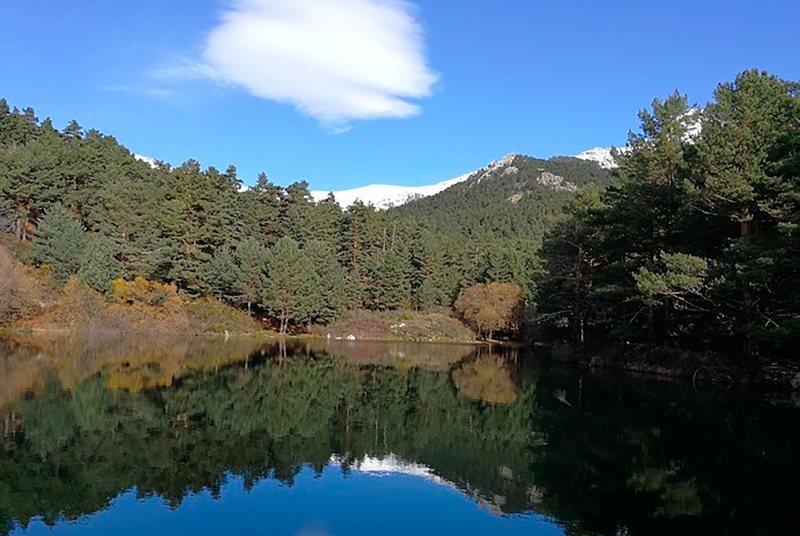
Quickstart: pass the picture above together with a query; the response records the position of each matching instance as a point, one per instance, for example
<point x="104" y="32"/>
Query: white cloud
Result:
<point x="155" y="92"/>
<point x="335" y="60"/>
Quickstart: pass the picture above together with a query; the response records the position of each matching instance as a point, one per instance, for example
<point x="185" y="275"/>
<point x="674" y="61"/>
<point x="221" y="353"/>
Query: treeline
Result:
<point x="692" y="242"/>
<point x="697" y="244"/>
<point x="82" y="205"/>
<point x="591" y="454"/>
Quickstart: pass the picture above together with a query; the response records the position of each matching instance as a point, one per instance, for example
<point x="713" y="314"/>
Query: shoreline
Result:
<point x="267" y="335"/>
<point x="697" y="368"/>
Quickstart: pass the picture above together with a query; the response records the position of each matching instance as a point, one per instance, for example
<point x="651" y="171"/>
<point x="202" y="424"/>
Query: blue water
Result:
<point x="328" y="504"/>
<point x="304" y="443"/>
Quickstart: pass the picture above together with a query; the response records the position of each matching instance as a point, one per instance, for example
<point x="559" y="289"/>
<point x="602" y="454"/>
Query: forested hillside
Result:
<point x="82" y="206"/>
<point x="509" y="199"/>
<point x="692" y="242"/>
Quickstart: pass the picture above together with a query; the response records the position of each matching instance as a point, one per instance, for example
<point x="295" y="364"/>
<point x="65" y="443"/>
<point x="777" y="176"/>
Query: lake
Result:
<point x="160" y="436"/>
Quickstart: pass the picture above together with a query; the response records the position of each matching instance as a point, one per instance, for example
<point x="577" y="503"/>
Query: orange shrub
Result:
<point x="490" y="307"/>
<point x="143" y="291"/>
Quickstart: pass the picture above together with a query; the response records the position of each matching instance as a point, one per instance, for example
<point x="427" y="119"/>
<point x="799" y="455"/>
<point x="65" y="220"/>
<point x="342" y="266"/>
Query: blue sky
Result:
<point x="344" y="93"/>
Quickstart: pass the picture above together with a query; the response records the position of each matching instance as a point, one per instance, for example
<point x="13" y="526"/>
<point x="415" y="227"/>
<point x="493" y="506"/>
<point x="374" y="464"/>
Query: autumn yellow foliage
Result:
<point x="144" y="291"/>
<point x="487" y="378"/>
<point x="21" y="294"/>
<point x="490" y="307"/>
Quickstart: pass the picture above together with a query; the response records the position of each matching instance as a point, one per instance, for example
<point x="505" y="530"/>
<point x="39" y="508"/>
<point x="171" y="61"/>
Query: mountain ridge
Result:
<point x="385" y="196"/>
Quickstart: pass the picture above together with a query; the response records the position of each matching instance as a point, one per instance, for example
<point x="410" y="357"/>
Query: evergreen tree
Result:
<point x="295" y="212"/>
<point x="391" y="285"/>
<point x="98" y="264"/>
<point x="332" y="297"/>
<point x="33" y="179"/>
<point x="260" y="206"/>
<point x="292" y="290"/>
<point x="572" y="255"/>
<point x="60" y="242"/>
<point x="249" y="278"/>
<point x="326" y="220"/>
<point x="223" y="275"/>
<point x="748" y="119"/>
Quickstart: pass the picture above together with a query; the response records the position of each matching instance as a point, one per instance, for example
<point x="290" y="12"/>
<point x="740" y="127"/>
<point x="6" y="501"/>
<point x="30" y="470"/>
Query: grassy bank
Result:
<point x="412" y="326"/>
<point x="31" y="302"/>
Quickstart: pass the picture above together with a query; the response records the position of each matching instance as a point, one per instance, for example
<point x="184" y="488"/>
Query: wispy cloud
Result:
<point x="335" y="60"/>
<point x="155" y="92"/>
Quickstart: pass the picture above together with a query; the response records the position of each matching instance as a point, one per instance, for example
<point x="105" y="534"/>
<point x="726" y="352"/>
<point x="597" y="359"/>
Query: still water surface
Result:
<point x="231" y="437"/>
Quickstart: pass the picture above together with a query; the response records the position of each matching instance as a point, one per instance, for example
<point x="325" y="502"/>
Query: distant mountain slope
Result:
<point x="509" y="198"/>
<point x="384" y="196"/>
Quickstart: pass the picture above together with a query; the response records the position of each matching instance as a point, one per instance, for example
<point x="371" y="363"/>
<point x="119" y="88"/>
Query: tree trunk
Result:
<point x="750" y="353"/>
<point x="284" y="322"/>
<point x="18" y="226"/>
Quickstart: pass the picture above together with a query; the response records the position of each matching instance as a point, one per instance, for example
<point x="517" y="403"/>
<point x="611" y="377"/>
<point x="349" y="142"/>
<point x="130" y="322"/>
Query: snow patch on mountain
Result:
<point x="390" y="464"/>
<point x="383" y="196"/>
<point x="601" y="155"/>
<point x="147" y="160"/>
<point x="692" y="122"/>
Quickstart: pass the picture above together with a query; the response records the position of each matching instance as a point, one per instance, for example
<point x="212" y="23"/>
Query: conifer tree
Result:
<point x="292" y="288"/>
<point x="332" y="296"/>
<point x="99" y="265"/>
<point x="223" y="275"/>
<point x="250" y="277"/>
<point x="60" y="242"/>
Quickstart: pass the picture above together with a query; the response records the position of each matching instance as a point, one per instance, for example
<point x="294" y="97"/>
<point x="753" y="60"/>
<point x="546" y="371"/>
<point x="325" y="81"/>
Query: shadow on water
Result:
<point x="84" y="421"/>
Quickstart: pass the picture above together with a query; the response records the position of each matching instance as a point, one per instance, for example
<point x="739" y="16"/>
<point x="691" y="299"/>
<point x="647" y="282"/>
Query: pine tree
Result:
<point x="748" y="119"/>
<point x="292" y="289"/>
<point x="332" y="297"/>
<point x="572" y="255"/>
<point x="252" y="260"/>
<point x="223" y="275"/>
<point x="60" y="242"/>
<point x="295" y="212"/>
<point x="98" y="264"/>
<point x="391" y="283"/>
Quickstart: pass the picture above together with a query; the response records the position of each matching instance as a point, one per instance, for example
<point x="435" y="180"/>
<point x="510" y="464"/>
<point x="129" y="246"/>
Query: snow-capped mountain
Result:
<point x="692" y="122"/>
<point x="383" y="196"/>
<point x="601" y="155"/>
<point x="390" y="465"/>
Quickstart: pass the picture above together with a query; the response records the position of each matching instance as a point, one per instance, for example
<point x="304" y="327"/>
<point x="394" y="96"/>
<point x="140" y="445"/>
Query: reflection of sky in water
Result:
<point x="329" y="505"/>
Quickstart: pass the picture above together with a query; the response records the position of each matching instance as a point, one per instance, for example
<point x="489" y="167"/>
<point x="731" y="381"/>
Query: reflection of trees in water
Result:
<point x="486" y="378"/>
<point x="657" y="459"/>
<point x="639" y="455"/>
<point x="132" y="363"/>
<point x="270" y="419"/>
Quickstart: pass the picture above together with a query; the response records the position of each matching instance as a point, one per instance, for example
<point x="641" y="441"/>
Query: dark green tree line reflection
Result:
<point x="599" y="456"/>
